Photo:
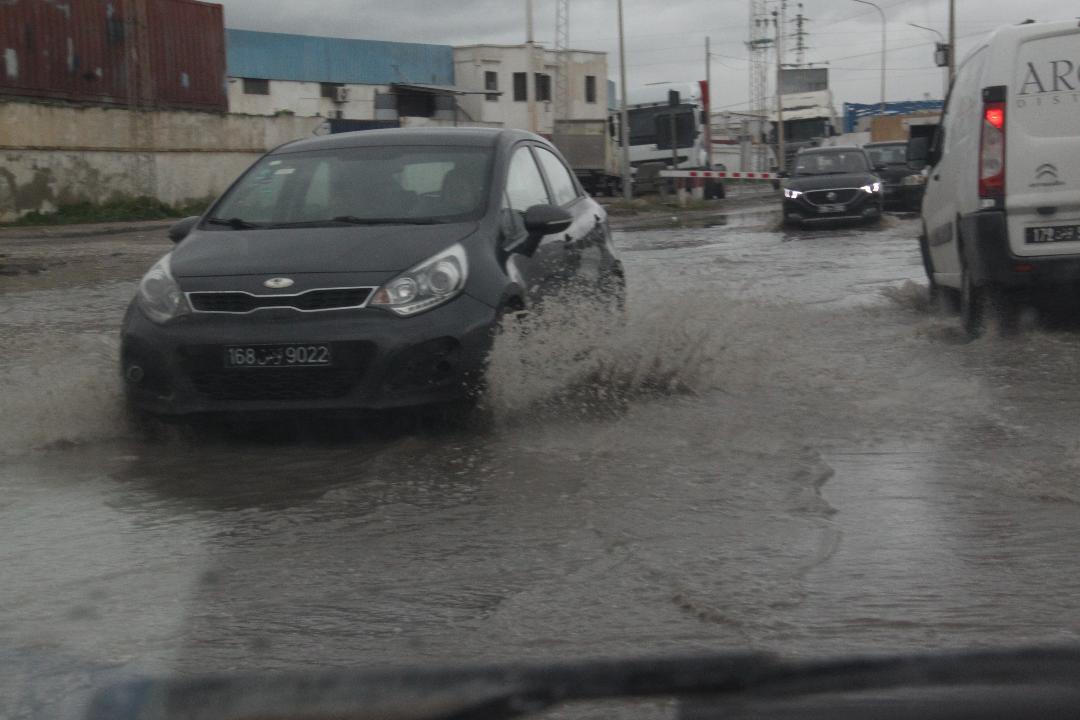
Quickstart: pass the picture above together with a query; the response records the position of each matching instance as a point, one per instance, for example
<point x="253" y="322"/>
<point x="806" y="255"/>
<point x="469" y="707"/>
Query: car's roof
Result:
<point x="462" y="136"/>
<point x="831" y="148"/>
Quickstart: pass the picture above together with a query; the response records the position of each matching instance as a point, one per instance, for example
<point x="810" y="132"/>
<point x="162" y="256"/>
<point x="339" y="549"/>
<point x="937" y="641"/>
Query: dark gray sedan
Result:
<point x="361" y="271"/>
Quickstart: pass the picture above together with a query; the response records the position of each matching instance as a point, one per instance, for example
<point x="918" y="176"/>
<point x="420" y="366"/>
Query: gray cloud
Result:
<point x="665" y="40"/>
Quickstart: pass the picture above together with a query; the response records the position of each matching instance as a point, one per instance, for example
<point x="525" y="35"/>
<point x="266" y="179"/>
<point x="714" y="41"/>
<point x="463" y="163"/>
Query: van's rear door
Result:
<point x="1042" y="143"/>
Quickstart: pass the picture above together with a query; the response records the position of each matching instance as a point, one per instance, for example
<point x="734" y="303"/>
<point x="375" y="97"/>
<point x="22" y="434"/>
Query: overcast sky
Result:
<point x="665" y="39"/>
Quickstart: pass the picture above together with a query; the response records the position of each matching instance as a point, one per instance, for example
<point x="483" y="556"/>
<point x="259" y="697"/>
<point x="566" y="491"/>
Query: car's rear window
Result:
<point x="385" y="183"/>
<point x="888" y="154"/>
<point x="830" y="163"/>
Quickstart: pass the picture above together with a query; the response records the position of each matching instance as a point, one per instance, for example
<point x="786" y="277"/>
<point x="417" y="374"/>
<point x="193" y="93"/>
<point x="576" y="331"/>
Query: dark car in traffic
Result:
<point x="831" y="184"/>
<point x="889" y="160"/>
<point x="363" y="270"/>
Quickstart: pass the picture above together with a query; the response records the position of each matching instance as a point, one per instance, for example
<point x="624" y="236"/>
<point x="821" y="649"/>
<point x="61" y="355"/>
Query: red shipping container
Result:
<point x="139" y="53"/>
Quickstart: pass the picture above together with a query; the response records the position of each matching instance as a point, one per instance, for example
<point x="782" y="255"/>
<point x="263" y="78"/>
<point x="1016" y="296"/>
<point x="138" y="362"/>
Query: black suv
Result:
<point x="361" y="271"/>
<point x="832" y="183"/>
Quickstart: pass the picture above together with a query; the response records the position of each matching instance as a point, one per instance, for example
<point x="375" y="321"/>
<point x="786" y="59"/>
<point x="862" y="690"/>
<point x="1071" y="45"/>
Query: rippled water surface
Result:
<point x="781" y="447"/>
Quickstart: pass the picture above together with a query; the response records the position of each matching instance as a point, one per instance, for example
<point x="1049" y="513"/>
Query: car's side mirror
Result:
<point x="881" y="167"/>
<point x="541" y="220"/>
<point x="180" y="229"/>
<point x="783" y="174"/>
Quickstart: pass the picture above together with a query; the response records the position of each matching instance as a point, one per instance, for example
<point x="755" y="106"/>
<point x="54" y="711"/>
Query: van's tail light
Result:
<point x="992" y="151"/>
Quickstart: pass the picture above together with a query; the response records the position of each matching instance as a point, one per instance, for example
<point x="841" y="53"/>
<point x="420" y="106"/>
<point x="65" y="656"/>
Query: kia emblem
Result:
<point x="278" y="283"/>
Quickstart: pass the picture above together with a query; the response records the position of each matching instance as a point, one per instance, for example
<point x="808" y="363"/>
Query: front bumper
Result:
<point x="863" y="206"/>
<point x="381" y="361"/>
<point x="993" y="262"/>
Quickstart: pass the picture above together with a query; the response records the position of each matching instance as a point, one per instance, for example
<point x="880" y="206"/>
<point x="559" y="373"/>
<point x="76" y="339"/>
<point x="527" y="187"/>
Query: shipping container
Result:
<point x="138" y="53"/>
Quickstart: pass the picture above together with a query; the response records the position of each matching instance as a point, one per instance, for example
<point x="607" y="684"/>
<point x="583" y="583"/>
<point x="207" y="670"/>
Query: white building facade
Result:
<point x="514" y="74"/>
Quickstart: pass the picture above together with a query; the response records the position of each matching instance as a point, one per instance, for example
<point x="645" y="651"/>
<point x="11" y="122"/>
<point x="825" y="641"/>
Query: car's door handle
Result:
<point x="937" y="177"/>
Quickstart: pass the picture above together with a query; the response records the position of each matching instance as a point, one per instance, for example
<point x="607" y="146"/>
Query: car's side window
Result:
<point x="524" y="184"/>
<point x="562" y="183"/>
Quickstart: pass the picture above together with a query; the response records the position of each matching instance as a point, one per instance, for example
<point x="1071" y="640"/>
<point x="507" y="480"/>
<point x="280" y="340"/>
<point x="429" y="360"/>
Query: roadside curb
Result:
<point x="56" y="232"/>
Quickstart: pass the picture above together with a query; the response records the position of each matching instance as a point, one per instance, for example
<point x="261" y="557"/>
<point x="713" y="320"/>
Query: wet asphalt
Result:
<point x="784" y="447"/>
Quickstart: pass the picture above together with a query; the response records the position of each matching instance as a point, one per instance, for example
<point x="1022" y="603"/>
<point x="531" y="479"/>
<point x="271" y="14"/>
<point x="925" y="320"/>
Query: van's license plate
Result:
<point x="259" y="356"/>
<point x="1060" y="233"/>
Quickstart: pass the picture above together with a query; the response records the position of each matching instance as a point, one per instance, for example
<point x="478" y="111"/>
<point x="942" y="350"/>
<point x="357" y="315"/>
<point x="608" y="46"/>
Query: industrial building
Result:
<point x="365" y="83"/>
<point x="520" y="85"/>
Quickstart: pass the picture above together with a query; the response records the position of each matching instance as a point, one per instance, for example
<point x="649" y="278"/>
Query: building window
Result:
<point x="329" y="90"/>
<point x="521" y="92"/>
<point x="543" y="87"/>
<point x="491" y="82"/>
<point x="590" y="88"/>
<point x="255" y="86"/>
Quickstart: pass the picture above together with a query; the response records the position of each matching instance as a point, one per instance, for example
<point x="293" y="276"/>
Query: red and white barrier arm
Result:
<point x="719" y="174"/>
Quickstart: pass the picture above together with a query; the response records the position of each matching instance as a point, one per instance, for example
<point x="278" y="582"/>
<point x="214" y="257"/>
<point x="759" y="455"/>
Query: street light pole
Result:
<point x="882" y="13"/>
<point x="952" y="40"/>
<point x="624" y="123"/>
<point x="942" y="39"/>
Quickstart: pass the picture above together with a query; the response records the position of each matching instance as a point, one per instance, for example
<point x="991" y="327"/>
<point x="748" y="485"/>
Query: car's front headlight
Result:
<point x="872" y="188"/>
<point x="159" y="295"/>
<point x="432" y="282"/>
<point x="793" y="194"/>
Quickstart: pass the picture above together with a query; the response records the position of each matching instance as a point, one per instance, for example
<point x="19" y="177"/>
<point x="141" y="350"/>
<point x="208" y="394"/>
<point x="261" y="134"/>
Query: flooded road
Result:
<point x="782" y="449"/>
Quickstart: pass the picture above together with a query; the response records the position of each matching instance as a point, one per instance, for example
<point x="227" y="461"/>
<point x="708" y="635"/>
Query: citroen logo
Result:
<point x="278" y="283"/>
<point x="1046" y="175"/>
<point x="831" y="196"/>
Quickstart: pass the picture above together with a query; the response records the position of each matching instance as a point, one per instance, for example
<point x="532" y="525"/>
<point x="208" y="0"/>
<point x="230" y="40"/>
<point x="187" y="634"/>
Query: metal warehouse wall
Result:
<point x="144" y="53"/>
<point x="303" y="58"/>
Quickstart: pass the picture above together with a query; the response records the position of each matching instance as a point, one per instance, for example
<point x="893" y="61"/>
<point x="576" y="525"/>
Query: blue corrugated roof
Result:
<point x="304" y="58"/>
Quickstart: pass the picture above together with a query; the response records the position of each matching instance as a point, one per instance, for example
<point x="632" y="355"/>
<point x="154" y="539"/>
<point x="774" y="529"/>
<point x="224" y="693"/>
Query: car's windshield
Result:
<point x="358" y="185"/>
<point x="887" y="154"/>
<point x="830" y="163"/>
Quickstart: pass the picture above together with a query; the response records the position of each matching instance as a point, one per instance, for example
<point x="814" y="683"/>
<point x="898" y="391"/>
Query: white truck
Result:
<point x="591" y="150"/>
<point x="1001" y="211"/>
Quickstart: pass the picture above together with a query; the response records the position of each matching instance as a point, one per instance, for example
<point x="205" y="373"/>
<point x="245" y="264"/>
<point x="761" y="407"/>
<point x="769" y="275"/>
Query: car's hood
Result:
<point x="377" y="248"/>
<point x="827" y="182"/>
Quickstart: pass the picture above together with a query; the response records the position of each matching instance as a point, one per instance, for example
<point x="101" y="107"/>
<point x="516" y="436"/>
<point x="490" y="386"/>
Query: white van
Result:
<point x="1001" y="214"/>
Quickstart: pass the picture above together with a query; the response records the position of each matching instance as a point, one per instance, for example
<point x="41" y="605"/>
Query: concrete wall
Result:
<point x="471" y="62"/>
<point x="56" y="155"/>
<point x="304" y="99"/>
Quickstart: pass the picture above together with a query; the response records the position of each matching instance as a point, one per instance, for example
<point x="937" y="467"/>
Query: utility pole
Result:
<point x="530" y="80"/>
<point x="952" y="41"/>
<point x="882" y="13"/>
<point x="708" y="106"/>
<point x="624" y="122"/>
<point x="778" y="21"/>
<point x="800" y="37"/>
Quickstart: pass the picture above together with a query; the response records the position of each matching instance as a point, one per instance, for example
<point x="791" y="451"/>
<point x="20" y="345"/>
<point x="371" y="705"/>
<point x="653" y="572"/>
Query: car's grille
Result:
<point x="275" y="384"/>
<point x="204" y="366"/>
<point x="840" y="197"/>
<point x="310" y="301"/>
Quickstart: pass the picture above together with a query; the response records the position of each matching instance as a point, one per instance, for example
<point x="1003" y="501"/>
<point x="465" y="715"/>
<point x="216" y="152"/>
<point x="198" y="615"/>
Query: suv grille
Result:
<point x="274" y="384"/>
<point x="310" y="301"/>
<point x="843" y="196"/>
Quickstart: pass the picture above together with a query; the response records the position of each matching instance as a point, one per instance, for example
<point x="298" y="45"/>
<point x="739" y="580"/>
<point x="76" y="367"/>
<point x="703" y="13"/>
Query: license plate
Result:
<point x="1060" y="233"/>
<point x="830" y="208"/>
<point x="259" y="356"/>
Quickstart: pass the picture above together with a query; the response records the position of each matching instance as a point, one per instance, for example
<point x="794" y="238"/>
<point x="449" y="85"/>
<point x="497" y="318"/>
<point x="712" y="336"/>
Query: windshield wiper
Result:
<point x="235" y="223"/>
<point x="354" y="220"/>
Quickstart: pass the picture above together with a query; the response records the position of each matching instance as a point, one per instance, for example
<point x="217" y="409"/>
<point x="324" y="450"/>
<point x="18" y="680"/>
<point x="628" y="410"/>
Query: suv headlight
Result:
<point x="432" y="282"/>
<point x="792" y="193"/>
<point x="872" y="188"/>
<point x="159" y="294"/>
